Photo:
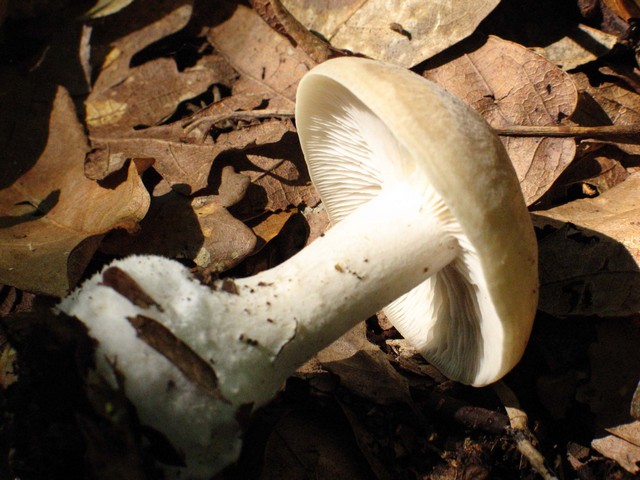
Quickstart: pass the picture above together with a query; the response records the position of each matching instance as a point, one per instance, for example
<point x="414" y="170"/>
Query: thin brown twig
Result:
<point x="600" y="131"/>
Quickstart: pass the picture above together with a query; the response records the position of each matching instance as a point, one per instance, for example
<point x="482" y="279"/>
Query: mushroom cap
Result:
<point x="364" y="124"/>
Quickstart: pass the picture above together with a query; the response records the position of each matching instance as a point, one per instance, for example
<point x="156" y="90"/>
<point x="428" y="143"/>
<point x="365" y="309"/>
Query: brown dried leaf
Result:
<point x="592" y="174"/>
<point x="581" y="45"/>
<point x="628" y="431"/>
<point x="626" y="454"/>
<point x="270" y="225"/>
<point x="308" y="444"/>
<point x="608" y="104"/>
<point x="143" y="100"/>
<point x="124" y="97"/>
<point x="280" y="19"/>
<point x="510" y="85"/>
<point x="200" y="229"/>
<point x="182" y="161"/>
<point x="364" y="369"/>
<point x="589" y="266"/>
<point x="53" y="218"/>
<point x="407" y="33"/>
<point x="267" y="60"/>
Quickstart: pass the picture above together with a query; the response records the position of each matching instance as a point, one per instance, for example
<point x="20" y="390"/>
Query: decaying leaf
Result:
<point x="581" y="45"/>
<point x="510" y="85"/>
<point x="199" y="228"/>
<point x="182" y="160"/>
<point x="364" y="369"/>
<point x="626" y="454"/>
<point x="589" y="265"/>
<point x="267" y="60"/>
<point x="305" y="444"/>
<point x="278" y="173"/>
<point x="609" y="104"/>
<point x="124" y="97"/>
<point x="408" y="32"/>
<point x="52" y="218"/>
<point x="591" y="174"/>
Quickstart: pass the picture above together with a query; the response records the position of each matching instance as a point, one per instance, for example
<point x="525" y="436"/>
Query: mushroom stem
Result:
<point x="380" y="251"/>
<point x="150" y="318"/>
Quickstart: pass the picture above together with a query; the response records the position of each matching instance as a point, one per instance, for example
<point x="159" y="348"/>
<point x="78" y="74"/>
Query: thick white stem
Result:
<point x="254" y="332"/>
<point x="379" y="252"/>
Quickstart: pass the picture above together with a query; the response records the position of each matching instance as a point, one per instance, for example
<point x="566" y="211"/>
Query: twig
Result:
<point x="520" y="430"/>
<point x="567" y="131"/>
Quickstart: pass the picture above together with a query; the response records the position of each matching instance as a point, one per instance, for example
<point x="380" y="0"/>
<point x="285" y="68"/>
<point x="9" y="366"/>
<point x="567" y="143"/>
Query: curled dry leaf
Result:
<point x="510" y="85"/>
<point x="590" y="264"/>
<point x="409" y="31"/>
<point x="581" y="45"/>
<point x="267" y="61"/>
<point x="124" y="97"/>
<point x="199" y="229"/>
<point x="53" y="218"/>
<point x="182" y="160"/>
<point x="609" y="104"/>
<point x="278" y="173"/>
<point x="364" y="369"/>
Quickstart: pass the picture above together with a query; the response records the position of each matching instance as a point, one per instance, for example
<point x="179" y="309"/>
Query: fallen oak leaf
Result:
<point x="199" y="229"/>
<point x="267" y="61"/>
<point x="611" y="105"/>
<point x="53" y="218"/>
<point x="180" y="159"/>
<point x="510" y="85"/>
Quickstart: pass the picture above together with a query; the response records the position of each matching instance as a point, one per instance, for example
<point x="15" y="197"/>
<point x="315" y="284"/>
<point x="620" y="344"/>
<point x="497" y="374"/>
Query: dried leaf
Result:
<point x="628" y="431"/>
<point x="364" y="369"/>
<point x="52" y="218"/>
<point x="280" y="19"/>
<point x="271" y="224"/>
<point x="510" y="85"/>
<point x="121" y="282"/>
<point x="116" y="42"/>
<point x="199" y="229"/>
<point x="589" y="266"/>
<point x="266" y="59"/>
<point x="182" y="161"/>
<point x="581" y="45"/>
<point x="307" y="444"/>
<point x="609" y="104"/>
<point x="125" y="97"/>
<point x="591" y="175"/>
<point x="626" y="454"/>
<point x="408" y="32"/>
<point x="141" y="100"/>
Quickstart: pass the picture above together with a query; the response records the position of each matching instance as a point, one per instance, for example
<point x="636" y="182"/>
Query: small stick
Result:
<point x="520" y="430"/>
<point x="600" y="131"/>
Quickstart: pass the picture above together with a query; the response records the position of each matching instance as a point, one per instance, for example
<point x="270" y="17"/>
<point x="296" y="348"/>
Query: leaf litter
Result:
<point x="178" y="140"/>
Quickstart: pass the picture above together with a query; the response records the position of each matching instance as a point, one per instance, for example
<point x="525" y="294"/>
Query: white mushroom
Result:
<point x="429" y="222"/>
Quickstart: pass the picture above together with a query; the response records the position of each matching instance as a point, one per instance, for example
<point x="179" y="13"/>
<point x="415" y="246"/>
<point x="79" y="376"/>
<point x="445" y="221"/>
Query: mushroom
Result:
<point x="429" y="224"/>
